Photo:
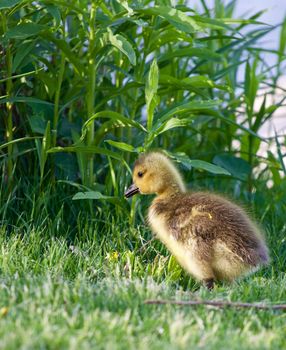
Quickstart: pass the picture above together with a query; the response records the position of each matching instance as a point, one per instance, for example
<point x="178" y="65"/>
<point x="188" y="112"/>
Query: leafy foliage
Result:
<point x="87" y="86"/>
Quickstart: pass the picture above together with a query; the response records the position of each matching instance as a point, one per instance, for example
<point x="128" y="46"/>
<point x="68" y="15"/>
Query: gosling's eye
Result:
<point x="140" y="174"/>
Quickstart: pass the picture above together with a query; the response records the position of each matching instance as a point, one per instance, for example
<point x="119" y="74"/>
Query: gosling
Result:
<point x="212" y="238"/>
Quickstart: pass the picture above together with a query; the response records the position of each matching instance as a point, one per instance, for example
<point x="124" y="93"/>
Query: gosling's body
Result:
<point x="211" y="237"/>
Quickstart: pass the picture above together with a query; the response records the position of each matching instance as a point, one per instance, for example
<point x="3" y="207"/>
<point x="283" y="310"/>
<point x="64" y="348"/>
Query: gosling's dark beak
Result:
<point x="133" y="189"/>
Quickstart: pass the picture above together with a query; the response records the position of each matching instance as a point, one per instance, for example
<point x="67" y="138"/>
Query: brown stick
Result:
<point x="219" y="304"/>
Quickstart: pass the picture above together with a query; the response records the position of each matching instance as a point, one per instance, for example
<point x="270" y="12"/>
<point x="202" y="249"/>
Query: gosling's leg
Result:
<point x="209" y="283"/>
<point x="202" y="270"/>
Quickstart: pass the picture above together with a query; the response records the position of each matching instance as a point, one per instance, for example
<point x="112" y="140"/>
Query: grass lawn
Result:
<point x="89" y="292"/>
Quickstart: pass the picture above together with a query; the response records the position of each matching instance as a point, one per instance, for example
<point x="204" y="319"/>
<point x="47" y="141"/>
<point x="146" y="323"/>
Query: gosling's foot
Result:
<point x="209" y="283"/>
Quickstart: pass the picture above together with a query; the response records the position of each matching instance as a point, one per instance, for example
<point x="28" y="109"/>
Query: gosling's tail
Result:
<point x="263" y="254"/>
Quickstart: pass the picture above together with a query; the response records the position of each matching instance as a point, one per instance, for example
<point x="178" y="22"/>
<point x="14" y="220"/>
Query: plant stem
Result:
<point x="57" y="94"/>
<point x="9" y="87"/>
<point x="90" y="93"/>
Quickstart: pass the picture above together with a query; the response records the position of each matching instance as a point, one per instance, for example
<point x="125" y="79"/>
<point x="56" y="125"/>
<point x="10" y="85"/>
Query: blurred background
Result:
<point x="274" y="12"/>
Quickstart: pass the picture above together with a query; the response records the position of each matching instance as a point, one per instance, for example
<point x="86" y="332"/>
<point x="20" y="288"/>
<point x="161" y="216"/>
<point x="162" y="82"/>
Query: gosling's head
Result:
<point x="155" y="173"/>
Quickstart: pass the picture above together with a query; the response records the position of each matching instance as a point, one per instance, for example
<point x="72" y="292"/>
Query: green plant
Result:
<point x="89" y="71"/>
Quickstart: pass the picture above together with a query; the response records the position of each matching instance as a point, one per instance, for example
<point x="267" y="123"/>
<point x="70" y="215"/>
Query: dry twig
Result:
<point x="219" y="304"/>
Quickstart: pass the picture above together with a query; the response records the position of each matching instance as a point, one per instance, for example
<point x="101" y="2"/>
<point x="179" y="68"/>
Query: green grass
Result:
<point x="87" y="290"/>
<point x="80" y="84"/>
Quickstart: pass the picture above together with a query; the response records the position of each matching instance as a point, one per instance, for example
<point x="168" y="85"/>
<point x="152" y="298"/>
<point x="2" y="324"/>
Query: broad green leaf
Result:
<point x="166" y="37"/>
<point x="215" y="37"/>
<point x="124" y="146"/>
<point x="251" y="86"/>
<point x="201" y="81"/>
<point x="21" y="53"/>
<point x="184" y="107"/>
<point x="86" y="149"/>
<point x="191" y="52"/>
<point x="95" y="195"/>
<point x="197" y="164"/>
<point x="190" y="83"/>
<point x="175" y="17"/>
<point x="171" y="124"/>
<point x="211" y="168"/>
<point x="238" y="167"/>
<point x="222" y="23"/>
<point x="55" y="13"/>
<point x="179" y="84"/>
<point x="38" y="123"/>
<point x="90" y="195"/>
<point x="151" y="91"/>
<point x="211" y="23"/>
<point x="23" y="99"/>
<point x="123" y="45"/>
<point x="152" y="82"/>
<point x="241" y="21"/>
<point x="24" y="30"/>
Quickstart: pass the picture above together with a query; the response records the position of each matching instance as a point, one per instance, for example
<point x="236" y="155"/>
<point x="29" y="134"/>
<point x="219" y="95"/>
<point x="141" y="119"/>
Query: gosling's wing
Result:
<point x="193" y="229"/>
<point x="192" y="223"/>
<point x="220" y="221"/>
